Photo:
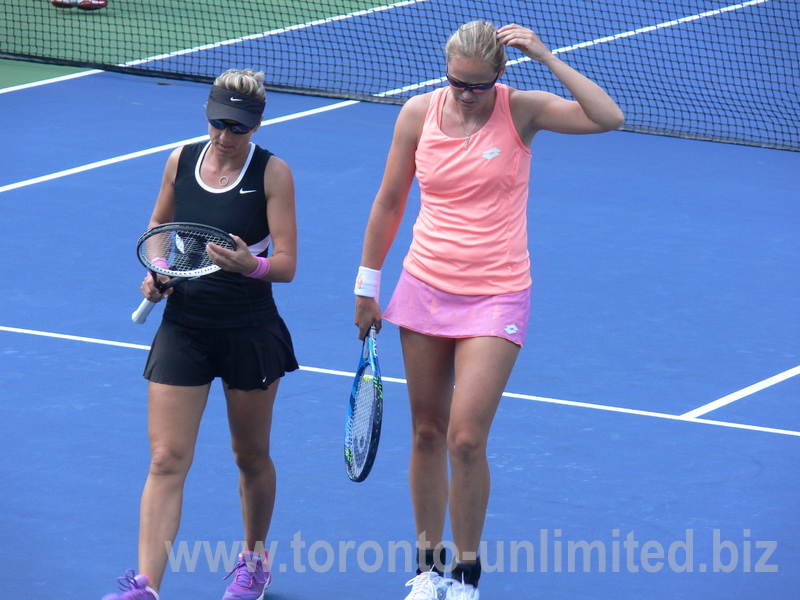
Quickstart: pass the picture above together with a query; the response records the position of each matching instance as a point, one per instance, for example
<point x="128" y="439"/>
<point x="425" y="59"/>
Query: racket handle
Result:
<point x="139" y="316"/>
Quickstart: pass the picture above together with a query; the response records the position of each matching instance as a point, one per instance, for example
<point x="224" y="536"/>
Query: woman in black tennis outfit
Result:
<point x="222" y="325"/>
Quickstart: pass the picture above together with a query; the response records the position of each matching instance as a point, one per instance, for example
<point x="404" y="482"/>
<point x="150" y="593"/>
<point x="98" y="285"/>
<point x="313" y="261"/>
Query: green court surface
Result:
<point x="133" y="30"/>
<point x="20" y="72"/>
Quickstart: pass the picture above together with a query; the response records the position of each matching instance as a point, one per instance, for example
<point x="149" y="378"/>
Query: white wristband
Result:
<point x="368" y="283"/>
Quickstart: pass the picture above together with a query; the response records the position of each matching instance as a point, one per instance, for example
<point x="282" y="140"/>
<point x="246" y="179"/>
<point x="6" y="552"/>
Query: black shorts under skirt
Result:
<point x="245" y="358"/>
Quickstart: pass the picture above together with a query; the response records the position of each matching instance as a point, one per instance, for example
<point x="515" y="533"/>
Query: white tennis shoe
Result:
<point x="427" y="586"/>
<point x="461" y="591"/>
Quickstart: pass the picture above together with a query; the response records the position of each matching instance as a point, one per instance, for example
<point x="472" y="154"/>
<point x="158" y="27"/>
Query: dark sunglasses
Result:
<point x="472" y="87"/>
<point x="236" y="128"/>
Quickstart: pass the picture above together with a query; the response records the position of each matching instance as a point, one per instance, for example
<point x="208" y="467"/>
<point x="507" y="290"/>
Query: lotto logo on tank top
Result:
<point x="490" y="154"/>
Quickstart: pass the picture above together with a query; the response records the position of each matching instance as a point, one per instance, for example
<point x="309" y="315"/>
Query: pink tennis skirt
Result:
<point x="417" y="306"/>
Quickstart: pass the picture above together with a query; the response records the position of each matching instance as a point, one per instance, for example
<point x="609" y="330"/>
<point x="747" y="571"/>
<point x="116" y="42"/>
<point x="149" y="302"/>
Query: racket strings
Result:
<point x="360" y="430"/>
<point x="183" y="252"/>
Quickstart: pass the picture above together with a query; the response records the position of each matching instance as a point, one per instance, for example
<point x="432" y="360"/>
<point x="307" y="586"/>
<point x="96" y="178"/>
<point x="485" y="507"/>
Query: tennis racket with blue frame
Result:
<point x="362" y="429"/>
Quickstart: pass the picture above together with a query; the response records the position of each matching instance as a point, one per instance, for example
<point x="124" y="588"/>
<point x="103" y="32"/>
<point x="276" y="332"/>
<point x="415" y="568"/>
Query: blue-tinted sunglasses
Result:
<point x="472" y="87"/>
<point x="236" y="128"/>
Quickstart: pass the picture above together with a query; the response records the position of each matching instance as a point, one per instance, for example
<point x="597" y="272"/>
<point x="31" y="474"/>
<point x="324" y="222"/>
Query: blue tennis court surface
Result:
<point x="631" y="458"/>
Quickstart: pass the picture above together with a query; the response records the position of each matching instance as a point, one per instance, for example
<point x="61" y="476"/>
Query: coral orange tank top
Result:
<point x="471" y="234"/>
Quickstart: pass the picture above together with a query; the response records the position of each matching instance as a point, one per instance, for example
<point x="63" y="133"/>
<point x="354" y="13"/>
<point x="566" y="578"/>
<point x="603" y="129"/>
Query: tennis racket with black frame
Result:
<point x="177" y="250"/>
<point x="362" y="430"/>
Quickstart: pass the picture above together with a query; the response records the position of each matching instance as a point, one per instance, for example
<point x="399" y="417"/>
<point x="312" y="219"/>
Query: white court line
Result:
<point x="255" y="36"/>
<point x="74" y="338"/>
<point x="140" y="153"/>
<point x="348" y="374"/>
<point x="33" y="84"/>
<point x="756" y="387"/>
<point x="651" y="28"/>
<point x="658" y="415"/>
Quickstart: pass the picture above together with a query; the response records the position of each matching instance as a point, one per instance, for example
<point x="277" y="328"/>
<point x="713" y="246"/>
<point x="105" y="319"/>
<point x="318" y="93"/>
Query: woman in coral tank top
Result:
<point x="463" y="298"/>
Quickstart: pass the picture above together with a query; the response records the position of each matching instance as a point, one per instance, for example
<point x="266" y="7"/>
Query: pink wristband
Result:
<point x="261" y="270"/>
<point x="160" y="262"/>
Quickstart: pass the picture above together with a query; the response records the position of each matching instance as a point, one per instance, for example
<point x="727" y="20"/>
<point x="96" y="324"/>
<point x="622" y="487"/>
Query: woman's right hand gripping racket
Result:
<point x="177" y="250"/>
<point x="362" y="429"/>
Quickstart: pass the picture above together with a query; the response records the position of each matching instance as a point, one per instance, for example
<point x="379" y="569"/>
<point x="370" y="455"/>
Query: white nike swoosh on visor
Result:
<point x="236" y="99"/>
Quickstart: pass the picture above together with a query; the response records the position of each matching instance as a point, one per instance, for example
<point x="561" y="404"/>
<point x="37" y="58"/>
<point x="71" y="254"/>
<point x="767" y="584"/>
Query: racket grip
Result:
<point x="139" y="316"/>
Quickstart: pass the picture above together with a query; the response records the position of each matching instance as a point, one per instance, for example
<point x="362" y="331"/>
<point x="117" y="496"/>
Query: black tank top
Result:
<point x="224" y="299"/>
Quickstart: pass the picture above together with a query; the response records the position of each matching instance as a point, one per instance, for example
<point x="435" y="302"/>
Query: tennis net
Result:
<point x="690" y="68"/>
